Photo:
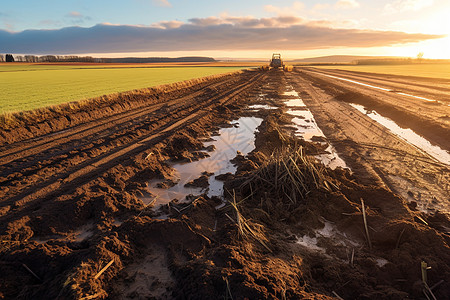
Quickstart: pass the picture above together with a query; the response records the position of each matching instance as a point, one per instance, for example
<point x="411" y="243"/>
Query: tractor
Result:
<point x="277" y="63"/>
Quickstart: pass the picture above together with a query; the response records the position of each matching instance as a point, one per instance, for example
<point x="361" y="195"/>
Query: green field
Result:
<point x="421" y="70"/>
<point x="28" y="86"/>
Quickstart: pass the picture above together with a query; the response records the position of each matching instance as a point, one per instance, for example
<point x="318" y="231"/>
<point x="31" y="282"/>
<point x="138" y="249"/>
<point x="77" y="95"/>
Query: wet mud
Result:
<point x="137" y="209"/>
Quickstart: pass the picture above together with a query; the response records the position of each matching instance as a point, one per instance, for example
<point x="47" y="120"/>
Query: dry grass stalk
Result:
<point x="437" y="284"/>
<point x="245" y="228"/>
<point x="399" y="238"/>
<point x="353" y="256"/>
<point x="420" y="218"/>
<point x="365" y="223"/>
<point x="428" y="290"/>
<point x="95" y="296"/>
<point x="31" y="272"/>
<point x="337" y="296"/>
<point x="289" y="174"/>
<point x="424" y="268"/>
<point x="104" y="269"/>
<point x="150" y="204"/>
<point x="228" y="294"/>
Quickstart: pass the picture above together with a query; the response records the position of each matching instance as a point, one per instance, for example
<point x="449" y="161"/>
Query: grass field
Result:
<point x="31" y="86"/>
<point x="421" y="70"/>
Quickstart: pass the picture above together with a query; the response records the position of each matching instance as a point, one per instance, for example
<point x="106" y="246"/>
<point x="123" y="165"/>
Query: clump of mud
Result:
<point x="201" y="182"/>
<point x="294" y="229"/>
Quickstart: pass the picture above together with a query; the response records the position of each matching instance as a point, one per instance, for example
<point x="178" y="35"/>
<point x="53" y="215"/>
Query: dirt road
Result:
<point x="78" y="219"/>
<point x="422" y="104"/>
<point x="404" y="167"/>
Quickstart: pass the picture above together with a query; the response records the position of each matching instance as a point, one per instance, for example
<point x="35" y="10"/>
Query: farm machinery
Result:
<point x="277" y="63"/>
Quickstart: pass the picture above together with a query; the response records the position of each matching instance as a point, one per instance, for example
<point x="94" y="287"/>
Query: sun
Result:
<point x="432" y="49"/>
<point x="436" y="23"/>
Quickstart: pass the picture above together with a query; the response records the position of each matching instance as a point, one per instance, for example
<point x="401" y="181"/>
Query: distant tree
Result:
<point x="19" y="58"/>
<point x="31" y="58"/>
<point x="420" y="57"/>
<point x="2" y="58"/>
<point x="9" y="58"/>
<point x="48" y="58"/>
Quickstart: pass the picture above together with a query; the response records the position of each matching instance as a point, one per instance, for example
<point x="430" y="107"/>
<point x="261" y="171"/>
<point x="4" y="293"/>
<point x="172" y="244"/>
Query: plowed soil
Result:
<point x="74" y="223"/>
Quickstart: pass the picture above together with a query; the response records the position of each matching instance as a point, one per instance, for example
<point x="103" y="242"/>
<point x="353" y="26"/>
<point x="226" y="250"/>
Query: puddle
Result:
<point x="45" y="239"/>
<point x="306" y="124"/>
<point x="331" y="159"/>
<point x="295" y="103"/>
<point x="331" y="242"/>
<point x="83" y="233"/>
<point x="418" y="97"/>
<point x="147" y="278"/>
<point x="240" y="138"/>
<point x="310" y="243"/>
<point x="308" y="129"/>
<point x="424" y="200"/>
<point x="381" y="262"/>
<point x="383" y="89"/>
<point x="117" y="223"/>
<point x="333" y="237"/>
<point x="407" y="134"/>
<point x="262" y="106"/>
<point x="357" y="82"/>
<point x="290" y="92"/>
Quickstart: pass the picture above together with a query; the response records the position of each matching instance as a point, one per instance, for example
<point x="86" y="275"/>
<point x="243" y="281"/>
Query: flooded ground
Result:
<point x="297" y="230"/>
<point x="383" y="89"/>
<point x="407" y="134"/>
<point x="261" y="106"/>
<point x="237" y="139"/>
<point x="307" y="129"/>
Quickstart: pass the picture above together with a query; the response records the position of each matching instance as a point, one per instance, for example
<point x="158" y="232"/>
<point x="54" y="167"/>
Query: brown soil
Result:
<point x="201" y="182"/>
<point x="72" y="202"/>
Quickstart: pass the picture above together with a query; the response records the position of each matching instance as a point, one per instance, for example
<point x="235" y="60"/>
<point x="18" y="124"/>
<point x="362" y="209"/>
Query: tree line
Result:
<point x="90" y="59"/>
<point x="49" y="58"/>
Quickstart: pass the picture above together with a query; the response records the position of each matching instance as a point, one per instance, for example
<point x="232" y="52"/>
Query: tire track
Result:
<point x="433" y="87"/>
<point x="425" y="118"/>
<point x="23" y="149"/>
<point x="370" y="148"/>
<point x="70" y="151"/>
<point x="90" y="169"/>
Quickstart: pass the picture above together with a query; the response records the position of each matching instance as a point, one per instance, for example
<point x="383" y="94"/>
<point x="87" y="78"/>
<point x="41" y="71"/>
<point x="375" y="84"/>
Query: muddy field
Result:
<point x="255" y="185"/>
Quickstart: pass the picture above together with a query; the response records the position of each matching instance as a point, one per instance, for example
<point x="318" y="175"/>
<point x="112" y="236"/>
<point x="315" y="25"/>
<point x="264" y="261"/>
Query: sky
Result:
<point x="221" y="29"/>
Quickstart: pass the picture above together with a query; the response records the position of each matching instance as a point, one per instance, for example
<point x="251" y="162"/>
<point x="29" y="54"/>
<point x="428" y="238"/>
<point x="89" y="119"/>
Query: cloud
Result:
<point x="279" y="22"/>
<point x="164" y="3"/>
<point x="406" y="5"/>
<point x="347" y="4"/>
<point x="75" y="14"/>
<point x="230" y="33"/>
<point x="168" y="24"/>
<point x="77" y="18"/>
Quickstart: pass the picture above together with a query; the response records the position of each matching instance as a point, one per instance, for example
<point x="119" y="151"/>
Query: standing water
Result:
<point x="407" y="134"/>
<point x="240" y="137"/>
<point x="308" y="129"/>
